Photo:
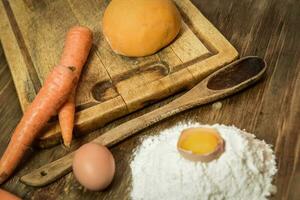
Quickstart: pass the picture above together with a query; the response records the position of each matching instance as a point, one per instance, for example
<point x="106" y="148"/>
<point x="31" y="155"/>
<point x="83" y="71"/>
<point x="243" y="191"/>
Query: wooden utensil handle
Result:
<point x="52" y="171"/>
<point x="47" y="173"/>
<point x="133" y="126"/>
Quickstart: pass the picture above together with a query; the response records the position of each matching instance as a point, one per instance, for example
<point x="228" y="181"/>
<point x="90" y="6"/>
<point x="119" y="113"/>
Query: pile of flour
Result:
<point x="244" y="171"/>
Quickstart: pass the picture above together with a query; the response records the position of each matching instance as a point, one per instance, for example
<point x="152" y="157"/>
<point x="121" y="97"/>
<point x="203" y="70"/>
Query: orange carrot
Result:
<point x="76" y="50"/>
<point x="49" y="99"/>
<point x="7" y="196"/>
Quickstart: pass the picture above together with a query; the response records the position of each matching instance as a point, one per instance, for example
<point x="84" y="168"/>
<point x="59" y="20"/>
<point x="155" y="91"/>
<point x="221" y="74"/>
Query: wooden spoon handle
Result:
<point x="54" y="170"/>
<point x="50" y="172"/>
<point x="133" y="126"/>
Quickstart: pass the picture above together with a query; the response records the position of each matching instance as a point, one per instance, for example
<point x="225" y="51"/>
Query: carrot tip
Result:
<point x="3" y="177"/>
<point x="67" y="144"/>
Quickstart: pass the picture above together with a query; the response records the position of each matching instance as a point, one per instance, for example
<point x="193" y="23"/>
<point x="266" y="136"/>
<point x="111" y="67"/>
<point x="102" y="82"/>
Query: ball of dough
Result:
<point x="140" y="27"/>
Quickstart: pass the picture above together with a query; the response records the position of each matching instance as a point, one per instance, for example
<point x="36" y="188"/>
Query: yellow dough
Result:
<point x="140" y="27"/>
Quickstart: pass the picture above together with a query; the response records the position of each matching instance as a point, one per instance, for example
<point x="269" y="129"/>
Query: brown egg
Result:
<point x="94" y="166"/>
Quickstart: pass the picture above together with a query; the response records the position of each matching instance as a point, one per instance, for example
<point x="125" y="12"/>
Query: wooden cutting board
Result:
<point x="32" y="35"/>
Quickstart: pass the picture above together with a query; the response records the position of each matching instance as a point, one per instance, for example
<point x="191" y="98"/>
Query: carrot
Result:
<point x="49" y="99"/>
<point x="76" y="49"/>
<point x="7" y="196"/>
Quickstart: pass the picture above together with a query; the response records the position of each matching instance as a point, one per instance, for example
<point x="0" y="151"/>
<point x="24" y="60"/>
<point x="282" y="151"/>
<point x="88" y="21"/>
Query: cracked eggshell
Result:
<point x="220" y="148"/>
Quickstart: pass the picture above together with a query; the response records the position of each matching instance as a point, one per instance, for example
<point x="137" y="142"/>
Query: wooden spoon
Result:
<point x="224" y="82"/>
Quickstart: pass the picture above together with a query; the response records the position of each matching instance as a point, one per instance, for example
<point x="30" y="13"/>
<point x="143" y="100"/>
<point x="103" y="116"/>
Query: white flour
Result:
<point x="244" y="171"/>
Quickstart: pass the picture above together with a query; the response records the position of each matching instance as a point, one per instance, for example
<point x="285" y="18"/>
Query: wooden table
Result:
<point x="271" y="109"/>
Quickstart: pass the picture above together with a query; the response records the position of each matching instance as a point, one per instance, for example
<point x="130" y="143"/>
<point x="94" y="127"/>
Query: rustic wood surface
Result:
<point x="111" y="85"/>
<point x="229" y="80"/>
<point x="271" y="109"/>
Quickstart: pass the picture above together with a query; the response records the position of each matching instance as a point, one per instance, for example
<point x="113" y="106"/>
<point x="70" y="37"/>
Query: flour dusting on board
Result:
<point x="244" y="171"/>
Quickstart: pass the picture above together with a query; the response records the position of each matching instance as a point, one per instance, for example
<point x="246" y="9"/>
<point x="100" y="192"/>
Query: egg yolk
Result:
<point x="199" y="140"/>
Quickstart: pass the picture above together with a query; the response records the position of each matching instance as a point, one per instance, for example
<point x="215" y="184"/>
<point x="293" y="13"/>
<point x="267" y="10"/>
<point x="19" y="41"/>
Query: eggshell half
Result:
<point x="220" y="148"/>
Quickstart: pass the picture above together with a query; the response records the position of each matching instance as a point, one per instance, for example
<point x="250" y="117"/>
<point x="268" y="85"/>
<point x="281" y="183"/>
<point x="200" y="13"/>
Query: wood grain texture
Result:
<point x="270" y="109"/>
<point x="226" y="81"/>
<point x="199" y="49"/>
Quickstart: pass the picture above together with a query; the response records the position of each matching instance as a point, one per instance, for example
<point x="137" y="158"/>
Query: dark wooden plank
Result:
<point x="270" y="109"/>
